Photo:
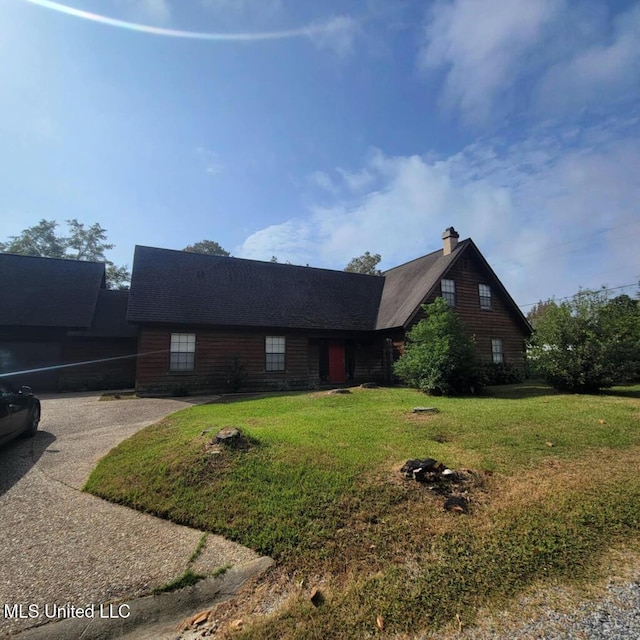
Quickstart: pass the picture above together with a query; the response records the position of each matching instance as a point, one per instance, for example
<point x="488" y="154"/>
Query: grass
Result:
<point x="187" y="579"/>
<point x="110" y="396"/>
<point x="199" y="548"/>
<point x="319" y="490"/>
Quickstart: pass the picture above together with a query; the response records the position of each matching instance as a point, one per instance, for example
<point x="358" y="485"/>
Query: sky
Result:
<point x="316" y="131"/>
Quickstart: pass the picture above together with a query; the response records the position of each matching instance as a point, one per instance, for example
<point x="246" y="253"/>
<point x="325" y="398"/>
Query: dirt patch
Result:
<point x="263" y="596"/>
<point x="455" y="486"/>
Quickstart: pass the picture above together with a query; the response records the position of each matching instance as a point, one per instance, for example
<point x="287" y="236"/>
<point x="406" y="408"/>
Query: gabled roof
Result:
<point x="110" y="317"/>
<point x="48" y="292"/>
<point x="409" y="285"/>
<point x="189" y="288"/>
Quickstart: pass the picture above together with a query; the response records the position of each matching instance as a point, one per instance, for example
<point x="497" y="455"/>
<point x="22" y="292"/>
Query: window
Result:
<point x="183" y="351"/>
<point x="274" y="353"/>
<point x="485" y="296"/>
<point x="448" y="288"/>
<point x="497" y="353"/>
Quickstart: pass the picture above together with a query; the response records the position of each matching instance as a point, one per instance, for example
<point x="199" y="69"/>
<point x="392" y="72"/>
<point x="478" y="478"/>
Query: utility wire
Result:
<point x="624" y="286"/>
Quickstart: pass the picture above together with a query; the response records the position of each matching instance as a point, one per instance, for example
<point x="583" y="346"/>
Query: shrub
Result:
<point x="440" y="357"/>
<point x="501" y="373"/>
<point x="179" y="391"/>
<point x="236" y="374"/>
<point x="587" y="343"/>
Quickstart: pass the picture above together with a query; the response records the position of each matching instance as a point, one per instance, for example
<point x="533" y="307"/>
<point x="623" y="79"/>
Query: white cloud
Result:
<point x="401" y="218"/>
<point x="551" y="57"/>
<point x="357" y="180"/>
<point x="156" y="12"/>
<point x="323" y="180"/>
<point x="290" y="241"/>
<point x="482" y="45"/>
<point x="243" y="7"/>
<point x="603" y="71"/>
<point x="247" y="15"/>
<point x="517" y="203"/>
<point x="337" y="34"/>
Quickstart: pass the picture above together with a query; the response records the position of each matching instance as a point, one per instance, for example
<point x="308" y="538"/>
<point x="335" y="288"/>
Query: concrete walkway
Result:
<point x="62" y="549"/>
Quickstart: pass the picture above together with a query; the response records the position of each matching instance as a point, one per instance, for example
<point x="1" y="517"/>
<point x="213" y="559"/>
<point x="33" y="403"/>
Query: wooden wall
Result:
<point x="36" y="351"/>
<point x="215" y="353"/>
<point x="41" y="352"/>
<point x="483" y="325"/>
<point x="111" y="364"/>
<point x="214" y="358"/>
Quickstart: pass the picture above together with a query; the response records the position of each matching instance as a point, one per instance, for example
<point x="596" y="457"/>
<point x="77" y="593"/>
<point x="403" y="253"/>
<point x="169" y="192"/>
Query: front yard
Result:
<point x="555" y="484"/>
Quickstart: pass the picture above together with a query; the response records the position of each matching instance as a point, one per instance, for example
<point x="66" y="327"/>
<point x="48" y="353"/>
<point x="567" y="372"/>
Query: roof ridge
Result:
<point x="426" y="255"/>
<point x="261" y="262"/>
<point x="21" y="255"/>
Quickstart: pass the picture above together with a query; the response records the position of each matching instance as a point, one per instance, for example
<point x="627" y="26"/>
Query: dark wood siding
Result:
<point x="216" y="350"/>
<point x="35" y="351"/>
<point x="482" y="324"/>
<point x="369" y="361"/>
<point x="111" y="364"/>
<point x="215" y="353"/>
<point x="40" y="352"/>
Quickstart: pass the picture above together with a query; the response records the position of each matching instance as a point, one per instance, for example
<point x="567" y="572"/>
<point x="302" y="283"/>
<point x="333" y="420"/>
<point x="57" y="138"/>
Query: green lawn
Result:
<point x="319" y="490"/>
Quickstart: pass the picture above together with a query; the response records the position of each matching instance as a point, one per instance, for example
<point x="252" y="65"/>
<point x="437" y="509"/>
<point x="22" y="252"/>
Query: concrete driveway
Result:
<point x="60" y="547"/>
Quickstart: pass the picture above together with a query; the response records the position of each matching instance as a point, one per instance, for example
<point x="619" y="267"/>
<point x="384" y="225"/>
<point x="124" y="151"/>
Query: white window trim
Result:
<point x="485" y="298"/>
<point x="275" y="346"/>
<point x="183" y="346"/>
<point x="497" y="355"/>
<point x="448" y="291"/>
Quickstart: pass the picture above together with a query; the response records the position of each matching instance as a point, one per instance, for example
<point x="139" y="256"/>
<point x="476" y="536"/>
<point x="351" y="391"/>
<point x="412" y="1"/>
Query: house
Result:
<point x="60" y="328"/>
<point x="203" y="317"/>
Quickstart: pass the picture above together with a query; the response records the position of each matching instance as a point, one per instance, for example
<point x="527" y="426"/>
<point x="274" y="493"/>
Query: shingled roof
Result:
<point x="407" y="285"/>
<point x="110" y="317"/>
<point x="177" y="287"/>
<point x="48" y="292"/>
<point x="189" y="288"/>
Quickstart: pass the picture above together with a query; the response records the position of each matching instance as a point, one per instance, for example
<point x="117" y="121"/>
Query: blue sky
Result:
<point x="335" y="128"/>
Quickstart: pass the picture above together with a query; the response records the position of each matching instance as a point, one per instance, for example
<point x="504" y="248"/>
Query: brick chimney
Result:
<point x="450" y="237"/>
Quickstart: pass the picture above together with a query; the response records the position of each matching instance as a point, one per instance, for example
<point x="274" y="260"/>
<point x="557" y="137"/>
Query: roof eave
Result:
<point x="517" y="312"/>
<point x="460" y="249"/>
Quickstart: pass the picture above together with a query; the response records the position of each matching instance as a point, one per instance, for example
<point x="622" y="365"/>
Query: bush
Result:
<point x="501" y="373"/>
<point x="236" y="374"/>
<point x="588" y="343"/>
<point x="179" y="391"/>
<point x="440" y="357"/>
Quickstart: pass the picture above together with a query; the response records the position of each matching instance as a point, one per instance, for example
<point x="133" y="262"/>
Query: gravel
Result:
<point x="615" y="617"/>
<point x="559" y="614"/>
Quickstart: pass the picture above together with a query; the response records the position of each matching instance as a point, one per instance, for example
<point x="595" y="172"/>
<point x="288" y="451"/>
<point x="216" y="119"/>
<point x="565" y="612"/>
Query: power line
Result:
<point x="624" y="286"/>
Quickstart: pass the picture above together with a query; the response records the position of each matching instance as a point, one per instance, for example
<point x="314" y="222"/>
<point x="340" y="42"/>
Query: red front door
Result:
<point x="336" y="361"/>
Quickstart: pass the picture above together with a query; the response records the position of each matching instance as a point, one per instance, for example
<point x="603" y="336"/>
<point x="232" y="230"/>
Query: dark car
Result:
<point x="19" y="412"/>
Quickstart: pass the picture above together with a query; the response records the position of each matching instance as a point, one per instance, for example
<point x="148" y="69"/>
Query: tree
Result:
<point x="209" y="247"/>
<point x="366" y="263"/>
<point x="39" y="240"/>
<point x="117" y="277"/>
<point x="439" y="356"/>
<point x="621" y="316"/>
<point x="86" y="243"/>
<point x="538" y="310"/>
<point x="82" y="243"/>
<point x="587" y="343"/>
